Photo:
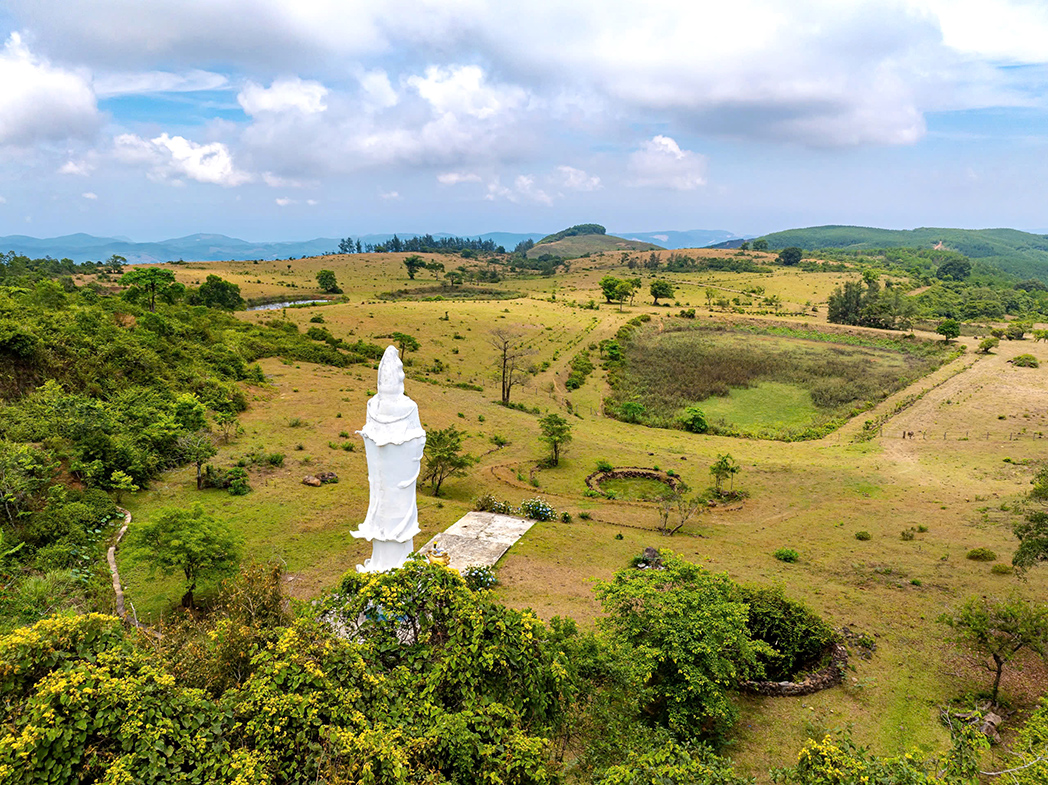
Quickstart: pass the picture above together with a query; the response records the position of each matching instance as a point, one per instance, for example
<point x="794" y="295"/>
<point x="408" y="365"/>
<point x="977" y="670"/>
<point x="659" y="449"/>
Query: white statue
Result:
<point x="393" y="442"/>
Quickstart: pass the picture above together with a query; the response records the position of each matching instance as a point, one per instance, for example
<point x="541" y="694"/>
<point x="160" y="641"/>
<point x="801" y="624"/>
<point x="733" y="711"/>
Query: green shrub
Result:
<point x="796" y="633"/>
<point x="604" y="466"/>
<point x="1001" y="569"/>
<point x="922" y="528"/>
<point x="585" y="516"/>
<point x="1024" y="361"/>
<point x="908" y="534"/>
<point x="981" y="554"/>
<point x="237" y="483"/>
<point x="787" y="555"/>
<point x="565" y="517"/>
<point x="863" y="535"/>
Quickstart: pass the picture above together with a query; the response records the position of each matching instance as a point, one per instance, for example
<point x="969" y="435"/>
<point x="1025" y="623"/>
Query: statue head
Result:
<point x="390" y="373"/>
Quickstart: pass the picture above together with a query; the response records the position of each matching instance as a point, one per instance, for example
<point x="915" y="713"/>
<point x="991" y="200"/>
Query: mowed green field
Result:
<point x="967" y="417"/>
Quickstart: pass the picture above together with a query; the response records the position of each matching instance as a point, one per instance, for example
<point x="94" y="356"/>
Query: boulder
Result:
<point x="309" y="479"/>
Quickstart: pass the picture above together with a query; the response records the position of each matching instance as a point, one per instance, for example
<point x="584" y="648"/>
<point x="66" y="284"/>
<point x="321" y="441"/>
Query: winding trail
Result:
<point x="111" y="558"/>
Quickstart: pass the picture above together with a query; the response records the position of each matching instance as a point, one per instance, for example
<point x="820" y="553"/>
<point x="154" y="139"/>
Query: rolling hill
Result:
<point x="1015" y="252"/>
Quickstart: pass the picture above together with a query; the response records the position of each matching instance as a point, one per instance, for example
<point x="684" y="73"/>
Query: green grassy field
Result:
<point x="967" y="417"/>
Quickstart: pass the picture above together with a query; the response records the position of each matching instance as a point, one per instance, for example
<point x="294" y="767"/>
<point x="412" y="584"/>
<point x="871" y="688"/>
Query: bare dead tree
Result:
<point x="511" y="352"/>
<point x="677" y="501"/>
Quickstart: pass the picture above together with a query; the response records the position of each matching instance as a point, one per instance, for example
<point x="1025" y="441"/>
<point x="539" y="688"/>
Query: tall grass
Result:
<point x="687" y="363"/>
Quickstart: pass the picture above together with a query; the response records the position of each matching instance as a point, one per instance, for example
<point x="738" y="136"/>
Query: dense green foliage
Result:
<point x="870" y="306"/>
<point x="573" y="231"/>
<point x="1019" y="253"/>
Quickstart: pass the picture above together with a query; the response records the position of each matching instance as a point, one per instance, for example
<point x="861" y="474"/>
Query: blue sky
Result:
<point x="271" y="119"/>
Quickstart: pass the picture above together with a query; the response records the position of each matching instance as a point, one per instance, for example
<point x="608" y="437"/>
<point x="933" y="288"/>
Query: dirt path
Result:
<point x="111" y="558"/>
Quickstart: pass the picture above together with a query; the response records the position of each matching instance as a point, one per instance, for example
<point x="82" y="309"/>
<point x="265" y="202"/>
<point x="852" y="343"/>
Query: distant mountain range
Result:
<point x="1015" y="252"/>
<point x="218" y="247"/>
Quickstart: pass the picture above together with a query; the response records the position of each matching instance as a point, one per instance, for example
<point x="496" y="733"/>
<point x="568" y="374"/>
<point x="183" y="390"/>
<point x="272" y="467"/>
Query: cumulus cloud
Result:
<point x="577" y="179"/>
<point x="463" y="90"/>
<point x="89" y="195"/>
<point x="523" y="190"/>
<point x="40" y="101"/>
<point x="661" y="163"/>
<point x="284" y="95"/>
<point x="175" y="157"/>
<point x="389" y="196"/>
<point x="283" y="201"/>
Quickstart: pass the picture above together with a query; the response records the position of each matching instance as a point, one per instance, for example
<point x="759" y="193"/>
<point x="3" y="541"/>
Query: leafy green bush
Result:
<point x="604" y="466"/>
<point x="787" y="555"/>
<point x="1024" y="361"/>
<point x="1001" y="569"/>
<point x="798" y="636"/>
<point x="907" y="534"/>
<point x="478" y="577"/>
<point x="981" y="554"/>
<point x="863" y="535"/>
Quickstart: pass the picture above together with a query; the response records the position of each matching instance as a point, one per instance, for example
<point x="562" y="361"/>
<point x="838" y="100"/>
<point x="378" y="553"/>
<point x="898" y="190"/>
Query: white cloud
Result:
<point x="283" y="201"/>
<point x="89" y="195"/>
<point x="39" y="101"/>
<point x="78" y="168"/>
<point x="389" y="196"/>
<point x="145" y="82"/>
<point x="463" y="90"/>
<point x="174" y="157"/>
<point x="276" y="181"/>
<point x="523" y="190"/>
<point x="284" y="95"/>
<point x="376" y="86"/>
<point x="577" y="179"/>
<point x="660" y="163"/>
<point x="455" y="178"/>
<point x="312" y="202"/>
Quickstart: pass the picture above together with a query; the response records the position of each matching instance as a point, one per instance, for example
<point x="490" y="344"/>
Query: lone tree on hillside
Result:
<point x="405" y="343"/>
<point x="790" y="256"/>
<point x="190" y="542"/>
<point x="994" y="631"/>
<point x="948" y="329"/>
<point x="724" y="468"/>
<point x="413" y="264"/>
<point x="556" y="433"/>
<point x="197" y="447"/>
<point x="152" y="281"/>
<point x="326" y="281"/>
<point x="511" y="354"/>
<point x="1032" y="532"/>
<point x="444" y="457"/>
<point x="661" y="289"/>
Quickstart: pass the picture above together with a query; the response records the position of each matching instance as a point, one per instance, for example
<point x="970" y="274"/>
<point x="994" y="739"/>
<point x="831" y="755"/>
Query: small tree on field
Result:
<point x="760" y="245"/>
<point x="609" y="287"/>
<point x="121" y="481"/>
<point x="153" y="281"/>
<point x="948" y="329"/>
<point x="413" y="264"/>
<point x="197" y="448"/>
<point x="677" y="501"/>
<point x="790" y="256"/>
<point x="556" y="433"/>
<point x="987" y="344"/>
<point x="511" y="354"/>
<point x="994" y="631"/>
<point x="1032" y="532"/>
<point x="724" y="468"/>
<point x="326" y="281"/>
<point x="405" y="343"/>
<point x="661" y="289"/>
<point x="190" y="542"/>
<point x="444" y="457"/>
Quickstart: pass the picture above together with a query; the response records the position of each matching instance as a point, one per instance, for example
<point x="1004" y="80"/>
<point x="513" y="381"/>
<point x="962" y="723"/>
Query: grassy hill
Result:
<point x="1019" y="253"/>
<point x="574" y="247"/>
